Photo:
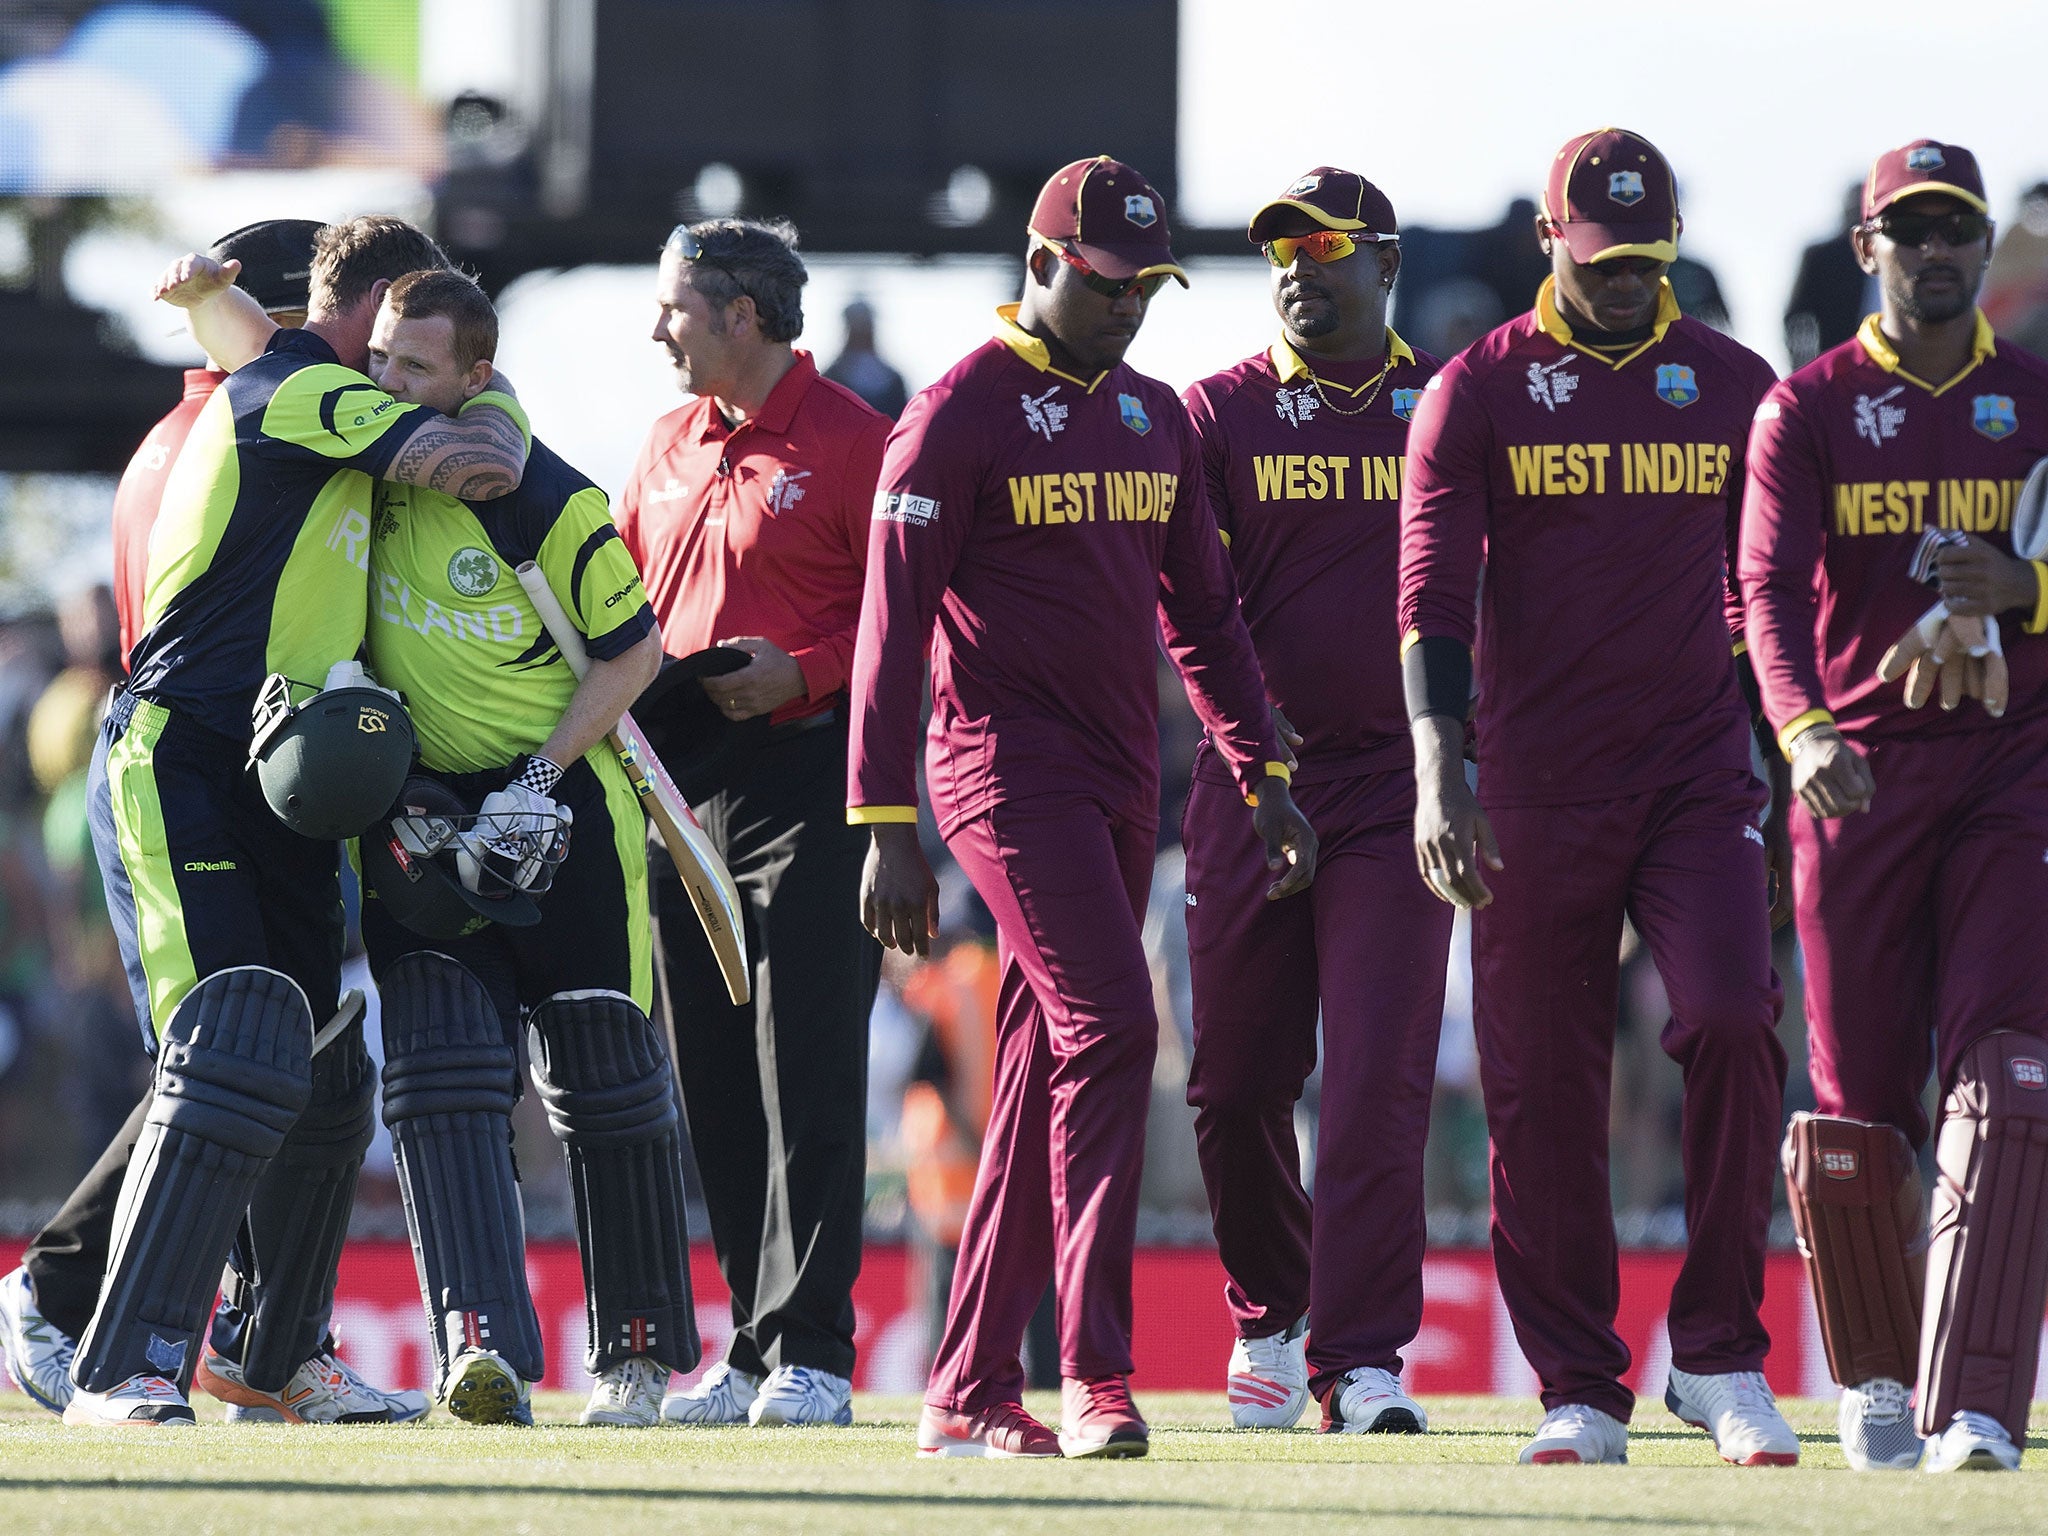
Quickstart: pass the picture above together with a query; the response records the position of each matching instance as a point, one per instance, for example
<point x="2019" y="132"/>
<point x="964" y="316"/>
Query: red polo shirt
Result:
<point x="761" y="529"/>
<point x="141" y="493"/>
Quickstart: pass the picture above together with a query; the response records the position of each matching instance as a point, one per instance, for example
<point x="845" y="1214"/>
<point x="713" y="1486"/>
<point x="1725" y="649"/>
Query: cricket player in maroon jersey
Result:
<point x="1040" y="522"/>
<point x="1301" y="448"/>
<point x="1591" y="454"/>
<point x="1922" y="891"/>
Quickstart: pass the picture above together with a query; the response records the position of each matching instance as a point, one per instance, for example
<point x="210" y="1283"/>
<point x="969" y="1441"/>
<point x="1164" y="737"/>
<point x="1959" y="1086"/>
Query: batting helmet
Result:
<point x="411" y="862"/>
<point x="332" y="765"/>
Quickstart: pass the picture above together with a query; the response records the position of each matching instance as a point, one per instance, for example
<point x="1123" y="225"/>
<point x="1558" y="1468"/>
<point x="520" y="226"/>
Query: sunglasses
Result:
<point x="1145" y="284"/>
<point x="1323" y="247"/>
<point x="1965" y="227"/>
<point x="689" y="247"/>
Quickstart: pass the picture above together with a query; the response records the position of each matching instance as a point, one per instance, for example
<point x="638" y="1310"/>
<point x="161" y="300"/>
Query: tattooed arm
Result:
<point x="478" y="455"/>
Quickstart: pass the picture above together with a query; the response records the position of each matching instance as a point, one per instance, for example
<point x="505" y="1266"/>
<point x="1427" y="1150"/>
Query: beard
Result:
<point x="1933" y="309"/>
<point x="1311" y="316"/>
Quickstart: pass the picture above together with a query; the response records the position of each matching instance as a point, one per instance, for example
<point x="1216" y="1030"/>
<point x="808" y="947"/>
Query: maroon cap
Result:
<point x="1334" y="199"/>
<point x="1612" y="194"/>
<point x="1923" y="166"/>
<point x="1114" y="218"/>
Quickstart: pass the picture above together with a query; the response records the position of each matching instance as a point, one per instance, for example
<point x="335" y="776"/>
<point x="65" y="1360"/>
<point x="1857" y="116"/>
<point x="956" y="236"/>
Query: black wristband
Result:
<point x="536" y="773"/>
<point x="1753" y="696"/>
<point x="1436" y="678"/>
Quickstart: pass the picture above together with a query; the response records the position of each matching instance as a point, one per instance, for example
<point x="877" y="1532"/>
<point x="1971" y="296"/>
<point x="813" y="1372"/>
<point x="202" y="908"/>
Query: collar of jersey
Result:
<point x="1550" y="320"/>
<point x="1290" y="365"/>
<point x="1034" y="351"/>
<point x="1983" y="344"/>
<point x="777" y="411"/>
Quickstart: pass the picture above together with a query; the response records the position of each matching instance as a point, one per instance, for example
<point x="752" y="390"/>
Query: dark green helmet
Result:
<point x="332" y="765"/>
<point x="410" y="862"/>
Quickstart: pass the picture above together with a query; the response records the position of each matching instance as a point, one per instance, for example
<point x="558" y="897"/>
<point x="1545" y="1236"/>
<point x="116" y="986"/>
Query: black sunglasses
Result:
<point x="1901" y="227"/>
<point x="1147" y="283"/>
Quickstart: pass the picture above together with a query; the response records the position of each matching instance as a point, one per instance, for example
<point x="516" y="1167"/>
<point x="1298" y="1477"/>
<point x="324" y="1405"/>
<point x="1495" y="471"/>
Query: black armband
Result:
<point x="1753" y="696"/>
<point x="1436" y="677"/>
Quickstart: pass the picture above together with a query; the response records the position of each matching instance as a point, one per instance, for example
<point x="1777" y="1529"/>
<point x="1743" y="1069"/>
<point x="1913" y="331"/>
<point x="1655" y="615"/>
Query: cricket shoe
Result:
<point x="1000" y="1432"/>
<point x="1737" y="1409"/>
<point x="802" y="1394"/>
<point x="1268" y="1382"/>
<point x="37" y="1352"/>
<point x="325" y="1390"/>
<point x="628" y="1395"/>
<point x="1876" y="1425"/>
<point x="723" y="1396"/>
<point x="1098" y="1418"/>
<point x="1577" y="1433"/>
<point x="1973" y="1442"/>
<point x="482" y="1388"/>
<point x="1369" y="1401"/>
<point x="140" y="1402"/>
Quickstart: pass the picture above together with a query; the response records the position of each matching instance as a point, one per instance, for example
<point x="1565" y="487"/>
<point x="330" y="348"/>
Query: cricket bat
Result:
<point x="705" y="877"/>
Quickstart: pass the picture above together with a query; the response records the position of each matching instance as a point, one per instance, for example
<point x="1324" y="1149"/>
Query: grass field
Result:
<point x="445" y="1477"/>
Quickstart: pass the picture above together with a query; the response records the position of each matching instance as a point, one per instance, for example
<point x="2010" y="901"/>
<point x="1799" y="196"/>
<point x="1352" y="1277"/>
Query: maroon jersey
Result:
<point x="1851" y="461"/>
<point x="140" y="495"/>
<point x="1602" y="493"/>
<point x="1306" y="488"/>
<point x="1042" y="520"/>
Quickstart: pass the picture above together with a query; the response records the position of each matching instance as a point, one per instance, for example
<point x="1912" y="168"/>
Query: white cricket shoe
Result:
<point x="799" y="1394"/>
<point x="1876" y="1425"/>
<point x="37" y="1352"/>
<point x="1738" y="1410"/>
<point x="325" y="1390"/>
<point x="723" y="1396"/>
<point x="482" y="1388"/>
<point x="1973" y="1442"/>
<point x="1369" y="1401"/>
<point x="140" y="1402"/>
<point x="1268" y="1381"/>
<point x="1577" y="1433"/>
<point x="628" y="1395"/>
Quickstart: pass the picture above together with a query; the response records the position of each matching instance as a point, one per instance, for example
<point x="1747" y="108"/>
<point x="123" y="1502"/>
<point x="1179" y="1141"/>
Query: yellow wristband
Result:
<point x="871" y="815"/>
<point x="2039" y="622"/>
<point x="1792" y="729"/>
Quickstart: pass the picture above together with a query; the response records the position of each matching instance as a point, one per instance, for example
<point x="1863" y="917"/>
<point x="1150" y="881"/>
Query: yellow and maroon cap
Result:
<point x="1111" y="214"/>
<point x="1610" y="194"/>
<point x="1925" y="165"/>
<point x="1334" y="199"/>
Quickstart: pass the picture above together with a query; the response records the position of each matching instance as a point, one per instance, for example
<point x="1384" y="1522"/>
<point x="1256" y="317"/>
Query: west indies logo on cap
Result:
<point x="1139" y="210"/>
<point x="1133" y="410"/>
<point x="1924" y="157"/>
<point x="1625" y="187"/>
<point x="1994" y="416"/>
<point x="1676" y="385"/>
<point x="1303" y="187"/>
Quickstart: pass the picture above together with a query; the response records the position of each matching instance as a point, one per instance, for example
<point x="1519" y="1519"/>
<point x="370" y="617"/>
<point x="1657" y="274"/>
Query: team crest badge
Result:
<point x="1676" y="384"/>
<point x="1924" y="158"/>
<point x="1133" y="410"/>
<point x="473" y="571"/>
<point x="1625" y="187"/>
<point x="1139" y="210"/>
<point x="1405" y="401"/>
<point x="1303" y="187"/>
<point x="1994" y="416"/>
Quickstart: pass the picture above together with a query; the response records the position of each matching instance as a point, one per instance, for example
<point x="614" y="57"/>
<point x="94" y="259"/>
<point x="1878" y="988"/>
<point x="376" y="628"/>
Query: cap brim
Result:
<point x="1589" y="242"/>
<point x="1260" y="230"/>
<point x="1938" y="188"/>
<point x="1123" y="262"/>
<point x="712" y="661"/>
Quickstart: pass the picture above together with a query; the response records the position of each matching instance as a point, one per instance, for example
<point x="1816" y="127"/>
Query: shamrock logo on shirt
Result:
<point x="473" y="571"/>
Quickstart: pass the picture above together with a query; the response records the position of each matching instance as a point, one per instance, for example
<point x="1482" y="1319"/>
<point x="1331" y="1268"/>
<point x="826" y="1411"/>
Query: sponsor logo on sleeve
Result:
<point x="1770" y="410"/>
<point x="1924" y="158"/>
<point x="2029" y="1073"/>
<point x="1625" y="187"/>
<point x="1296" y="407"/>
<point x="1405" y="401"/>
<point x="1132" y="409"/>
<point x="1994" y="416"/>
<point x="1676" y="385"/>
<point x="472" y="571"/>
<point x="902" y="507"/>
<point x="1877" y="419"/>
<point x="785" y="492"/>
<point x="1838" y="1162"/>
<point x="1138" y="208"/>
<point x="1549" y="386"/>
<point x="1043" y="414"/>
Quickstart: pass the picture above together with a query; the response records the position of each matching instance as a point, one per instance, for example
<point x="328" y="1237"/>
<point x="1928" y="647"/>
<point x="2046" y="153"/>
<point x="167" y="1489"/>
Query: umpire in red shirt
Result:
<point x="747" y="514"/>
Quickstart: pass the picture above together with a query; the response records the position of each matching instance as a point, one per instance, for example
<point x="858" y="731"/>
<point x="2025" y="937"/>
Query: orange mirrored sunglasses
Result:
<point x="1324" y="246"/>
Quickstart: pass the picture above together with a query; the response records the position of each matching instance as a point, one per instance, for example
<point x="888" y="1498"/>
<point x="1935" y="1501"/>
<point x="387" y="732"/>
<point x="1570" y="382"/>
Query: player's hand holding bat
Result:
<point x="1453" y="839"/>
<point x="1290" y="841"/>
<point x="1830" y="777"/>
<point x="899" y="896"/>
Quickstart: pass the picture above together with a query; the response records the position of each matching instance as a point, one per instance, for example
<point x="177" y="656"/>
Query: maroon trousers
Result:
<point x="1367" y="943"/>
<point x="1056" y="1195"/>
<point x="1686" y="865"/>
<point x="1924" y="920"/>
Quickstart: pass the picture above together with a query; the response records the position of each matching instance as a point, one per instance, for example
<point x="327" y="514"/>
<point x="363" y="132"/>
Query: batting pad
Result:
<point x="233" y="1072"/>
<point x="450" y="1079"/>
<point x="1861" y="1221"/>
<point x="1987" y="1262"/>
<point x="611" y="1100"/>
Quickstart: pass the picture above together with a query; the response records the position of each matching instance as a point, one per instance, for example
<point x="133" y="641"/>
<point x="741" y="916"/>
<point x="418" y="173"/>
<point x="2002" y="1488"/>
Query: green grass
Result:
<point x="444" y="1477"/>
